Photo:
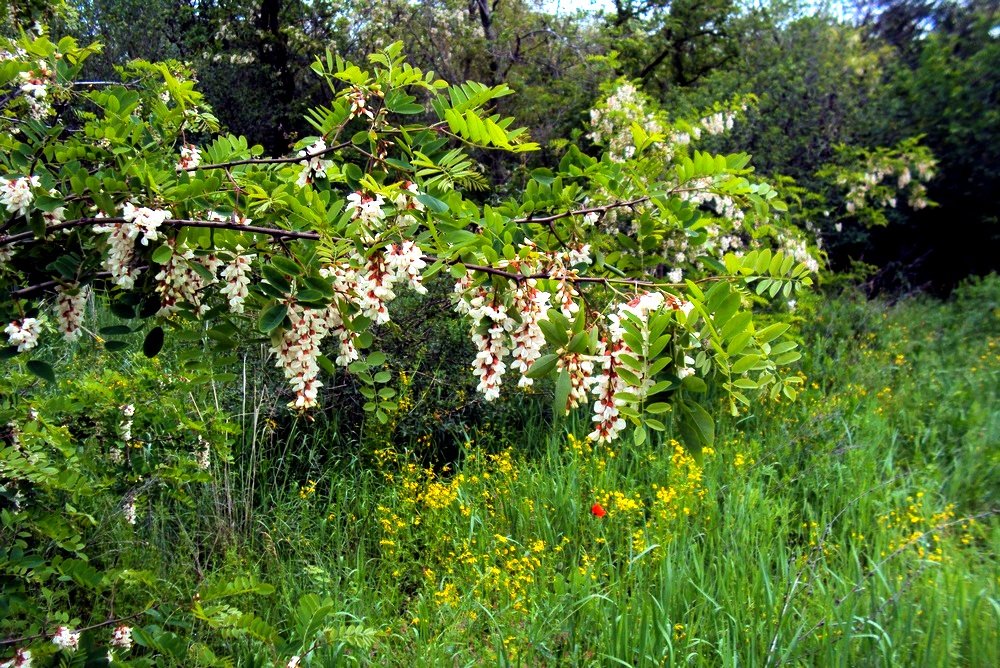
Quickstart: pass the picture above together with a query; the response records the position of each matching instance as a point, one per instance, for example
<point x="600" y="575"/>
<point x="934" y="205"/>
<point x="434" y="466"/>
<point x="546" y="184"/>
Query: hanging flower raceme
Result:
<point x="581" y="372"/>
<point x="178" y="282"/>
<point x="298" y="351"/>
<point x="121" y="252"/>
<point x="70" y="304"/>
<point x="345" y="285"/>
<point x="491" y="327"/>
<point x="128" y="412"/>
<point x="375" y="289"/>
<point x="367" y="210"/>
<point x="34" y="87"/>
<point x="406" y="262"/>
<point x="122" y="637"/>
<point x="236" y="276"/>
<point x="22" y="659"/>
<point x="313" y="167"/>
<point x="359" y="103"/>
<point x="145" y="222"/>
<point x="531" y="304"/>
<point x="190" y="158"/>
<point x="17" y="194"/>
<point x="608" y="422"/>
<point x="67" y="639"/>
<point x="24" y="333"/>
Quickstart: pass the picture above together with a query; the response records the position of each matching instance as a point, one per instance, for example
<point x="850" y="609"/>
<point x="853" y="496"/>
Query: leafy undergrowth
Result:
<point x="855" y="526"/>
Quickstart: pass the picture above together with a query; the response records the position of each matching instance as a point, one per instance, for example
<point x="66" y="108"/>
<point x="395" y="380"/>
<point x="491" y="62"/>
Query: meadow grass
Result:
<point x="855" y="526"/>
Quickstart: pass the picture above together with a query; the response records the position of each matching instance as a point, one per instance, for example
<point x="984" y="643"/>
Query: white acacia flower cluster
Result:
<point x="57" y="215"/>
<point x="35" y="88"/>
<point x="129" y="510"/>
<point x="561" y="268"/>
<point x="581" y="374"/>
<point x="367" y="210"/>
<point x="298" y="351"/>
<point x="138" y="222"/>
<point x="66" y="639"/>
<point x="203" y="454"/>
<point x="369" y="289"/>
<point x="236" y="276"/>
<point x="190" y="158"/>
<point x="359" y="103"/>
<point x="122" y="637"/>
<point x="496" y="333"/>
<point x="531" y="305"/>
<point x="491" y="329"/>
<point x="69" y="307"/>
<point x="612" y="120"/>
<point x="405" y="260"/>
<point x="406" y="201"/>
<point x="24" y="333"/>
<point x="178" y="282"/>
<point x="700" y="192"/>
<point x="128" y="412"/>
<point x="314" y="166"/>
<point x="798" y="250"/>
<point x="22" y="659"/>
<point x="870" y="187"/>
<point x="607" y="419"/>
<point x="17" y="194"/>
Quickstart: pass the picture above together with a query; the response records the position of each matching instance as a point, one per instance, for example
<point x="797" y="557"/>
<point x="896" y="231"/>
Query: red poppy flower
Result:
<point x="597" y="511"/>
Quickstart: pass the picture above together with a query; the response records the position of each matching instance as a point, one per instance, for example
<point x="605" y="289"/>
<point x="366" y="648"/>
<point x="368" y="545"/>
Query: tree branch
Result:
<point x="276" y="161"/>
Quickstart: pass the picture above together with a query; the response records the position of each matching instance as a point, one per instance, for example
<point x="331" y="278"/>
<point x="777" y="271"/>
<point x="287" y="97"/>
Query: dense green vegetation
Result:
<point x="854" y="526"/>
<point x="264" y="267"/>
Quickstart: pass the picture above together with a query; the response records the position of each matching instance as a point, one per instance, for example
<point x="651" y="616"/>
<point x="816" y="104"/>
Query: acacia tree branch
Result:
<point x="23" y="639"/>
<point x="278" y="233"/>
<point x="277" y="161"/>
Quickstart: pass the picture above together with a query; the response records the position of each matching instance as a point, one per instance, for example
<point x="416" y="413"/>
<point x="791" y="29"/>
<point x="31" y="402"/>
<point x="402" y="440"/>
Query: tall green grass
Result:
<point x="856" y="526"/>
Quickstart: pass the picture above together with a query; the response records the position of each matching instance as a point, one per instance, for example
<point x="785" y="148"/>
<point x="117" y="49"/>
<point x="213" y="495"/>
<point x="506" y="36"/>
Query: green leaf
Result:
<point x="542" y="366"/>
<point x="153" y="342"/>
<point x="42" y="369"/>
<point x="697" y="426"/>
<point x="271" y="317"/>
<point x="162" y="254"/>
<point x="694" y="384"/>
<point x="285" y="265"/>
<point x="432" y="203"/>
<point x="563" y="386"/>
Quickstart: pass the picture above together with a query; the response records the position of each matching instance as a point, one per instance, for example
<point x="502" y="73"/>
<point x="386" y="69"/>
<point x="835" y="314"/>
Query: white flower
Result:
<point x="128" y="510"/>
<point x="66" y="639"/>
<point x="144" y="221"/>
<point x="69" y="310"/>
<point x="313" y="167"/>
<point x="406" y="261"/>
<point x="367" y="209"/>
<point x="297" y="352"/>
<point x="190" y="158"/>
<point x="237" y="278"/>
<point x="24" y="333"/>
<point x="122" y="637"/>
<point x="22" y="659"/>
<point x="531" y="304"/>
<point x="293" y="662"/>
<point x="17" y="195"/>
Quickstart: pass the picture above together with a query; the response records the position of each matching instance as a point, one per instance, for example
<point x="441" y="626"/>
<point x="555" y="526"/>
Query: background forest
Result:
<point x="832" y="82"/>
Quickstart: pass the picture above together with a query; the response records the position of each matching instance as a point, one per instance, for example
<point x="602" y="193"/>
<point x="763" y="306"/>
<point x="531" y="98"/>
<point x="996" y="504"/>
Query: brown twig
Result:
<point x="23" y="639"/>
<point x="276" y="161"/>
